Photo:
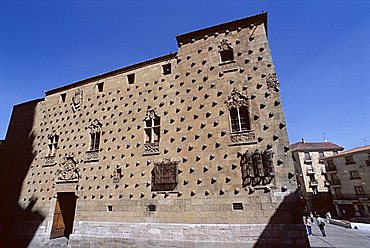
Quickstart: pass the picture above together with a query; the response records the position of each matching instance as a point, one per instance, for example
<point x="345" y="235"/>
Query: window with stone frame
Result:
<point x="226" y="51"/>
<point x="239" y="112"/>
<point x="359" y="190"/>
<point x="95" y="133"/>
<point x="152" y="130"/>
<point x="152" y="127"/>
<point x="53" y="140"/>
<point x="354" y="175"/>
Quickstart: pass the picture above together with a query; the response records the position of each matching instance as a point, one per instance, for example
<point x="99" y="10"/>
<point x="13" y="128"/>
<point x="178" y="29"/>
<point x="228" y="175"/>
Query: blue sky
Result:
<point x="321" y="50"/>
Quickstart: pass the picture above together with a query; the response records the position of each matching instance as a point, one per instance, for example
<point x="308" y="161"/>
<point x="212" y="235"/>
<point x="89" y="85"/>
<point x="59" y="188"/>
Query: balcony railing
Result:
<point x="363" y="197"/>
<point x="313" y="183"/>
<point x="334" y="182"/>
<point x="92" y="155"/>
<point x="310" y="171"/>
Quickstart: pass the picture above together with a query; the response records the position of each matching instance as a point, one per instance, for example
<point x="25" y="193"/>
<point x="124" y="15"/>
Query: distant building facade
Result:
<point x="348" y="174"/>
<point x="190" y="148"/>
<point x="310" y="171"/>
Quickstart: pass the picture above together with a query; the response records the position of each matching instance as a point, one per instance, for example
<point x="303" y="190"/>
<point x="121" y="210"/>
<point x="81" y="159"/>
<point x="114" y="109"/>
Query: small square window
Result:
<point x="152" y="208"/>
<point x="238" y="206"/>
<point x="166" y="69"/>
<point x="100" y="86"/>
<point x="110" y="208"/>
<point x="131" y="78"/>
<point x="63" y="97"/>
<point x="227" y="55"/>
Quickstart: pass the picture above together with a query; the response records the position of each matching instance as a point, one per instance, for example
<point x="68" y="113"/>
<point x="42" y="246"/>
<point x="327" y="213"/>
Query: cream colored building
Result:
<point x="310" y="172"/>
<point x="187" y="149"/>
<point x="348" y="174"/>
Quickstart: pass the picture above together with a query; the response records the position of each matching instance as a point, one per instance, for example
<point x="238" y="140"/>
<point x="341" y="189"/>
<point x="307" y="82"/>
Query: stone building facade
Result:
<point x="348" y="174"/>
<point x="313" y="186"/>
<point x="190" y="148"/>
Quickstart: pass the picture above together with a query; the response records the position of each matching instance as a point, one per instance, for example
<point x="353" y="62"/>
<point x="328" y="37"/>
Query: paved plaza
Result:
<point x="338" y="236"/>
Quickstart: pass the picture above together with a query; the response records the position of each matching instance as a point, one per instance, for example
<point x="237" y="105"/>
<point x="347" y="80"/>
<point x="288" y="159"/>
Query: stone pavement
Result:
<point x="337" y="236"/>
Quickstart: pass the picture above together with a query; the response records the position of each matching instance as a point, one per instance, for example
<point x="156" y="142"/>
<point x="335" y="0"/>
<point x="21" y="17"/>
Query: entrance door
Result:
<point x="63" y="215"/>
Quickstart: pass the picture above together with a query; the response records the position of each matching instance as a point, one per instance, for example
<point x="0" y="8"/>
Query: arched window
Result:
<point x="239" y="112"/>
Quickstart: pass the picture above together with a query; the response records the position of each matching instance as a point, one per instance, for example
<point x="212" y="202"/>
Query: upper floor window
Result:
<point x="63" y="97"/>
<point x="226" y="51"/>
<point x="131" y="78"/>
<point x="307" y="156"/>
<point x="100" y="87"/>
<point x="95" y="133"/>
<point x="53" y="140"/>
<point x="338" y="193"/>
<point x="349" y="160"/>
<point x="166" y="69"/>
<point x="239" y="112"/>
<point x="321" y="154"/>
<point x="152" y="126"/>
<point x="330" y="162"/>
<point x="359" y="190"/>
<point x="354" y="175"/>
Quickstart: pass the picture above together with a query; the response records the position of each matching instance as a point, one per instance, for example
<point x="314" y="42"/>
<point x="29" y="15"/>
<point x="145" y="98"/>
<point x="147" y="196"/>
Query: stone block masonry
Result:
<point x="186" y="150"/>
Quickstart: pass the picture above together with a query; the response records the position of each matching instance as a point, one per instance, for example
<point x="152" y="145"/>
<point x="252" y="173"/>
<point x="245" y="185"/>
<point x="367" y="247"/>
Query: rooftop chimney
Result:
<point x="302" y="140"/>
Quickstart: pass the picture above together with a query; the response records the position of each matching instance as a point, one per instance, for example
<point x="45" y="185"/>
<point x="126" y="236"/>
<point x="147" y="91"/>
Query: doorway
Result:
<point x="64" y="215"/>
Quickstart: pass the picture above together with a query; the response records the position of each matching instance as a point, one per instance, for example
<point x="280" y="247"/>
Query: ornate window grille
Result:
<point x="165" y="175"/>
<point x="257" y="168"/>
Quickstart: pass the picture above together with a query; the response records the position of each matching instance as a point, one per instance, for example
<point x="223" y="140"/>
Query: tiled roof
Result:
<point x="351" y="151"/>
<point x="315" y="146"/>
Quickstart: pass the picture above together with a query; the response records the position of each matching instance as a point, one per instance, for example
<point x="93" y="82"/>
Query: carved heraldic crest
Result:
<point x="77" y="100"/>
<point x="224" y="45"/>
<point x="272" y="82"/>
<point x="68" y="170"/>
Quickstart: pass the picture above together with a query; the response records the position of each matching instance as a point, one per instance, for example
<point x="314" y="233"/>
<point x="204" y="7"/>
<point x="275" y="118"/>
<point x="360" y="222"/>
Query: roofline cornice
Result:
<point x="233" y="25"/>
<point x="112" y="73"/>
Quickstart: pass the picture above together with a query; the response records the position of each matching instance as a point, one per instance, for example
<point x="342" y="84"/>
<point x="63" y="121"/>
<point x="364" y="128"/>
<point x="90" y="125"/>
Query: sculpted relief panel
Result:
<point x="68" y="171"/>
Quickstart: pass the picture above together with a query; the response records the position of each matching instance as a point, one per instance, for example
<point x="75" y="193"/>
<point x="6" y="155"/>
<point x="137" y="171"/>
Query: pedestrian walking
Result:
<point x="311" y="216"/>
<point x="308" y="224"/>
<point x="328" y="216"/>
<point x="321" y="224"/>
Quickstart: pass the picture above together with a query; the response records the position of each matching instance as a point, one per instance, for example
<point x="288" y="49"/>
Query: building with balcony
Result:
<point x="310" y="173"/>
<point x="187" y="149"/>
<point x="348" y="174"/>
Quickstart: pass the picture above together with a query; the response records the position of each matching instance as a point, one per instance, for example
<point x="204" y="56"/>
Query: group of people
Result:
<point x="308" y="221"/>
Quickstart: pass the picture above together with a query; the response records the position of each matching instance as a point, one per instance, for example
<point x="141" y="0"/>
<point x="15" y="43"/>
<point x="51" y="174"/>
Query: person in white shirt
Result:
<point x="321" y="224"/>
